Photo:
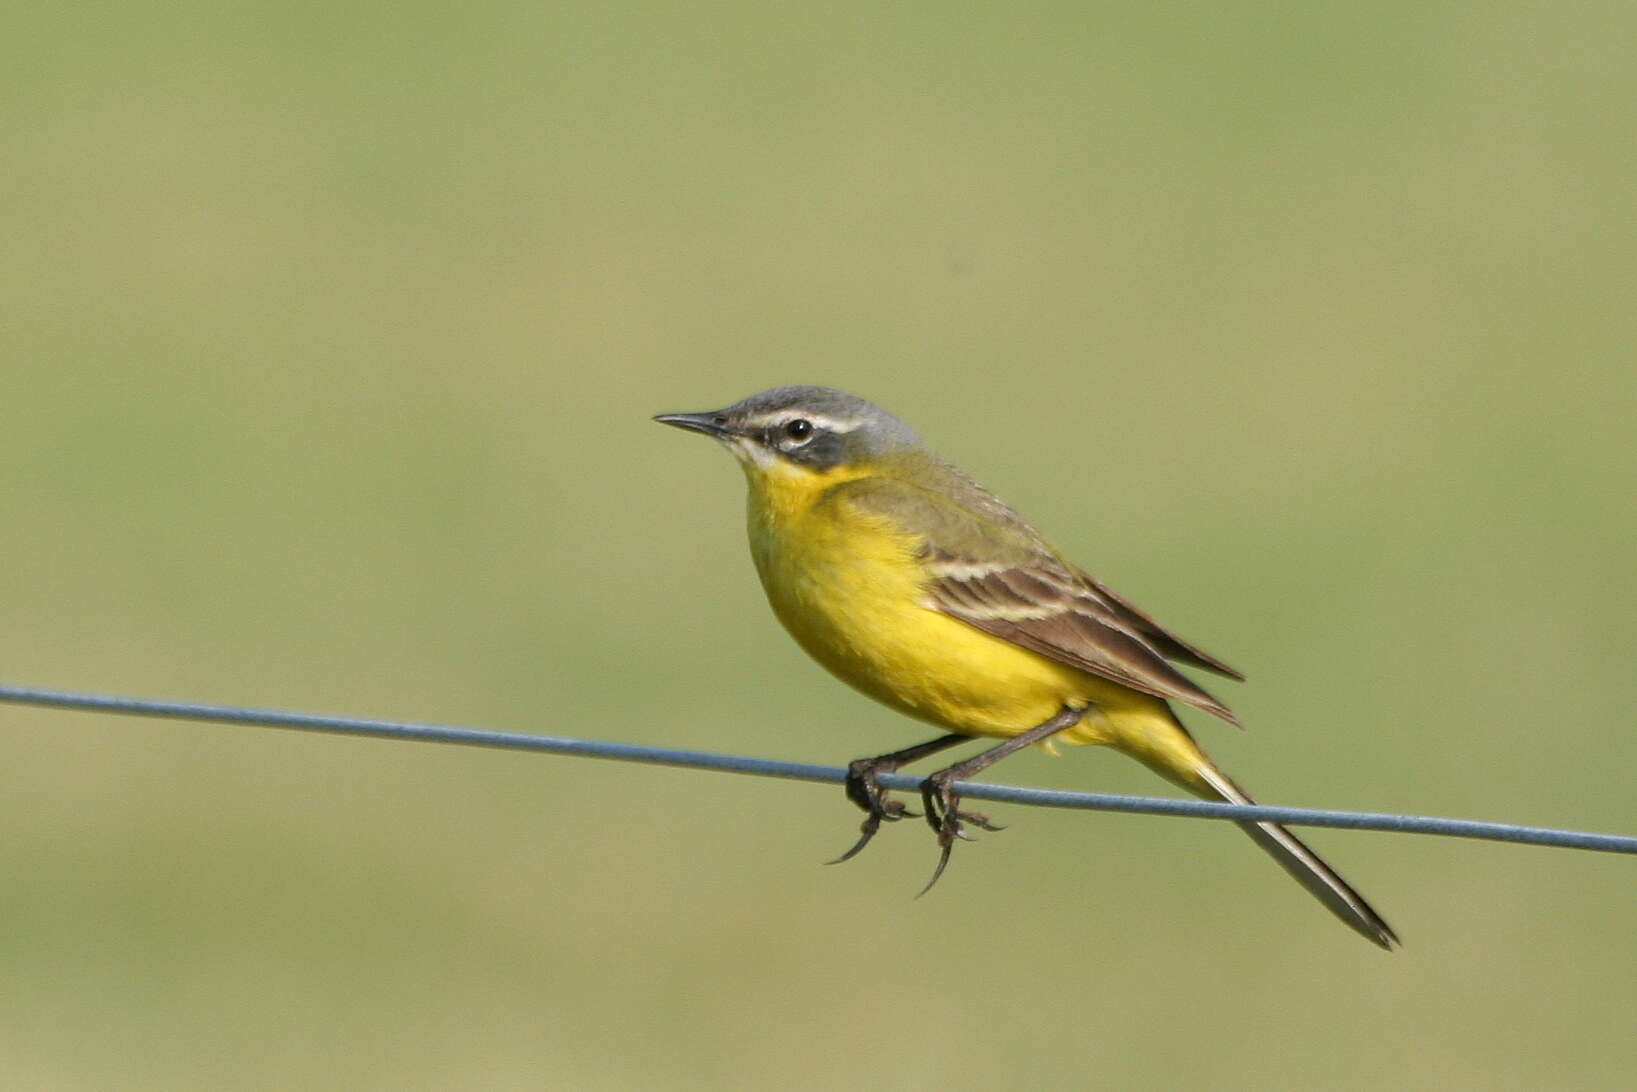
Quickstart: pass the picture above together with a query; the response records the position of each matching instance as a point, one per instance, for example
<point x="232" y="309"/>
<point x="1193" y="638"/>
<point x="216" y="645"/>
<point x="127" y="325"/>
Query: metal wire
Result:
<point x="760" y="767"/>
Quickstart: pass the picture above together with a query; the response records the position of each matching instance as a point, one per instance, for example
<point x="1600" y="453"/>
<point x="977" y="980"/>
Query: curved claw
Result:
<point x="886" y="810"/>
<point x="870" y="825"/>
<point x="937" y="873"/>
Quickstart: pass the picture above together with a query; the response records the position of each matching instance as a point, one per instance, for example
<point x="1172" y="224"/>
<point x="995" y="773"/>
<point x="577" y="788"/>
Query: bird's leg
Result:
<point x="864" y="790"/>
<point x="941" y="800"/>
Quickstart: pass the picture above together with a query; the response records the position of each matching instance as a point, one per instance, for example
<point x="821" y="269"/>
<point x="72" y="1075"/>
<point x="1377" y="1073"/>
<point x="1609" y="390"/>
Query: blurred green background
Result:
<point x="330" y="335"/>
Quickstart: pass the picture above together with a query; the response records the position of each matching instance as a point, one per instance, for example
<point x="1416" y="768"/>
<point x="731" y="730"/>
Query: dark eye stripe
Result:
<point x="819" y="449"/>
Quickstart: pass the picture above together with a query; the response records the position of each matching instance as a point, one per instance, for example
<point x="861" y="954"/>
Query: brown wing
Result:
<point x="1048" y="609"/>
<point x="1169" y="644"/>
<point x="987" y="566"/>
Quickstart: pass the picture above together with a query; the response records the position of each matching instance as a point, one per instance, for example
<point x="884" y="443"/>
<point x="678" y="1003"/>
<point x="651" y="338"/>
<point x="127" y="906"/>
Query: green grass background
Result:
<point x="329" y="337"/>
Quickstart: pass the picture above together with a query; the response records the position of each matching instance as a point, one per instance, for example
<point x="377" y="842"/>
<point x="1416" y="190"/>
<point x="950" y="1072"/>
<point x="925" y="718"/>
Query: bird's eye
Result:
<point x="799" y="429"/>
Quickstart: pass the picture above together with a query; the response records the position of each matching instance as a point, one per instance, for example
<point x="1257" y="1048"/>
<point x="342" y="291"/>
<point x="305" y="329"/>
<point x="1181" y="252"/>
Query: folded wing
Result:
<point x="989" y="568"/>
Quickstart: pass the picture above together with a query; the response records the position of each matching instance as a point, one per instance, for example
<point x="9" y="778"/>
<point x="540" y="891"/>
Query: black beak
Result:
<point x="711" y="424"/>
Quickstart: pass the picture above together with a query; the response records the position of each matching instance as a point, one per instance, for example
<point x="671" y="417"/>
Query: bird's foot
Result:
<point x="865" y="790"/>
<point x="947" y="820"/>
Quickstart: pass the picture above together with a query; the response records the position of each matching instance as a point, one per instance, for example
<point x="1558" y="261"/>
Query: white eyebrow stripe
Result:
<point x="828" y="424"/>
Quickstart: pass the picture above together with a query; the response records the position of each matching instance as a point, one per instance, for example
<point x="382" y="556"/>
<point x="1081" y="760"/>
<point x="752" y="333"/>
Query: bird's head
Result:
<point x="802" y="431"/>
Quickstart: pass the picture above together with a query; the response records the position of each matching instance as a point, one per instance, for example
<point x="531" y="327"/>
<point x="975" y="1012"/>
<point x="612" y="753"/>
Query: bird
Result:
<point x="916" y="585"/>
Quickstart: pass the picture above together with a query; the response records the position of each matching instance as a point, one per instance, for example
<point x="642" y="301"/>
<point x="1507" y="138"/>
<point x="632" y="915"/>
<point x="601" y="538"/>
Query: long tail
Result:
<point x="1305" y="867"/>
<point x="1164" y="746"/>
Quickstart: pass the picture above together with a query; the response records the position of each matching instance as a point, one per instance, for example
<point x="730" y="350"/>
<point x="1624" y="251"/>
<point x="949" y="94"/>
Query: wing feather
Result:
<point x="1172" y="646"/>
<point x="989" y="568"/>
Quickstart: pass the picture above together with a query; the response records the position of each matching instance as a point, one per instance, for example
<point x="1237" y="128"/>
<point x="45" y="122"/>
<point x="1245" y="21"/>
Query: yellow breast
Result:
<point x="849" y="587"/>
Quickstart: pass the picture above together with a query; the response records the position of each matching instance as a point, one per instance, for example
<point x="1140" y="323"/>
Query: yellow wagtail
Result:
<point x="916" y="585"/>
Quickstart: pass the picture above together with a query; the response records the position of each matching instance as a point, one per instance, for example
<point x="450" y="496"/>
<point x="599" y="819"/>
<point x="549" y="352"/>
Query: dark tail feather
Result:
<point x="1307" y="868"/>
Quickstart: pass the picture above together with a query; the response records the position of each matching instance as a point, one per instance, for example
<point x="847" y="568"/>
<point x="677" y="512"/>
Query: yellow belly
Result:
<point x="849" y="590"/>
